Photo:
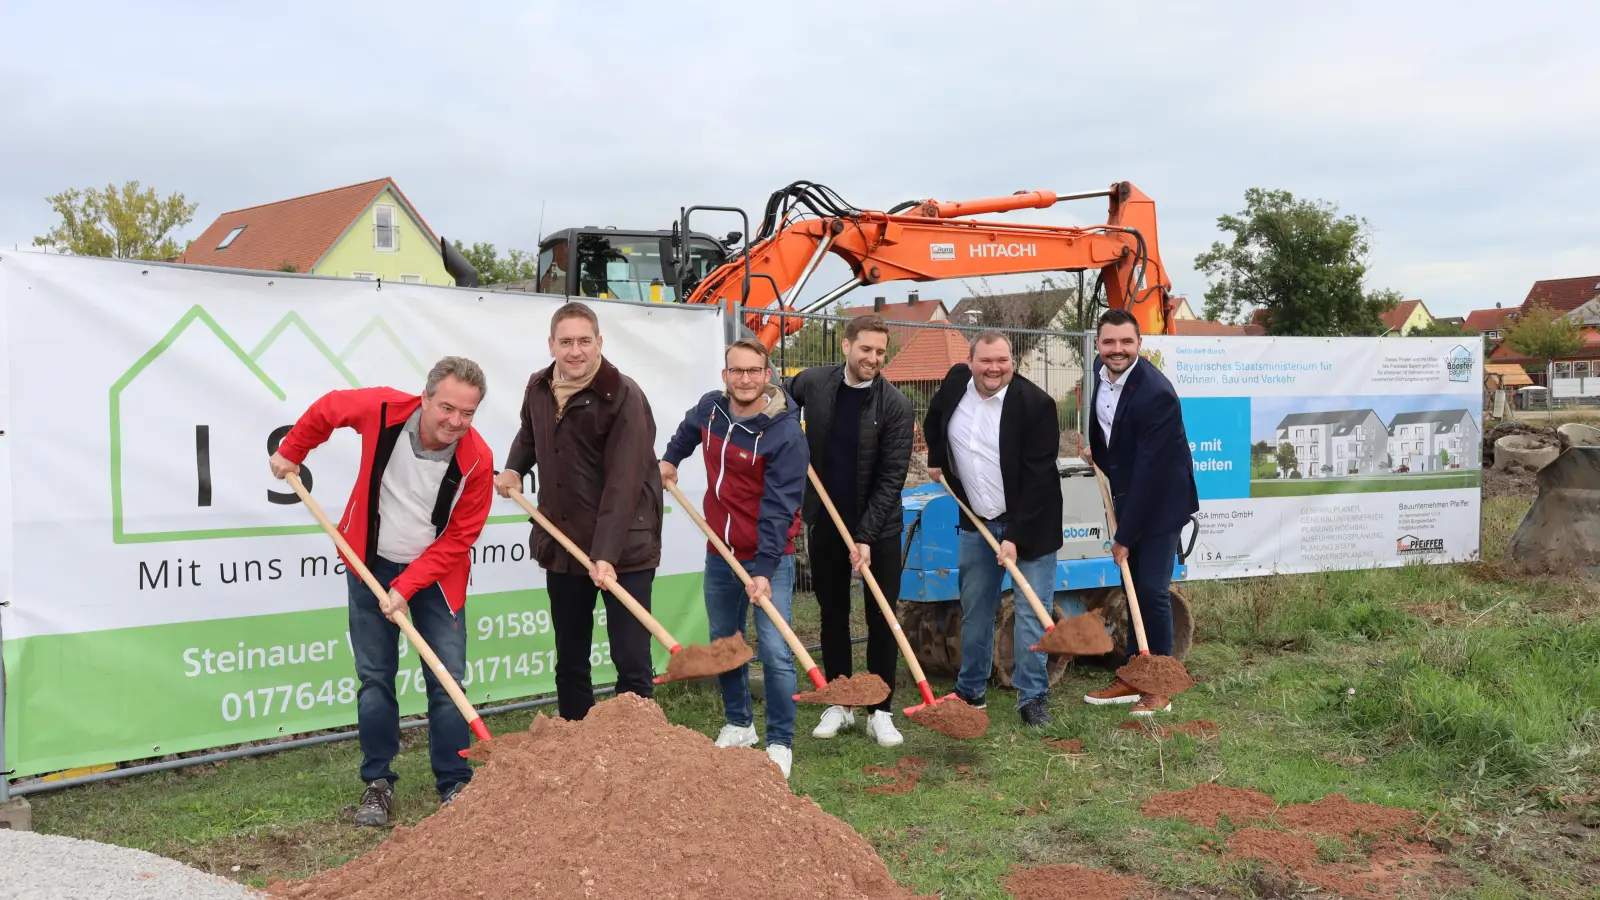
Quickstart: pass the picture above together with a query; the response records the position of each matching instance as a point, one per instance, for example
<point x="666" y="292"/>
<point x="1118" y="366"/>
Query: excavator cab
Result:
<point x="608" y="263"/>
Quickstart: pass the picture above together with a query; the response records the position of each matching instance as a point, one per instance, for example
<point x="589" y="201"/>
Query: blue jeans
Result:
<point x="1150" y="562"/>
<point x="980" y="602"/>
<point x="726" y="607"/>
<point x="375" y="641"/>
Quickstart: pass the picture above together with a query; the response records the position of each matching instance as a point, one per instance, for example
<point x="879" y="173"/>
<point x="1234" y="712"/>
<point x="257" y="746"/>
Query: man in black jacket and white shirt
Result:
<point x="859" y="428"/>
<point x="995" y="435"/>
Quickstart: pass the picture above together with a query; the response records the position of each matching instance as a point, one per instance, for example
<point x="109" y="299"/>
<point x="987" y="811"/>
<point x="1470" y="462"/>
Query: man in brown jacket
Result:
<point x="589" y="429"/>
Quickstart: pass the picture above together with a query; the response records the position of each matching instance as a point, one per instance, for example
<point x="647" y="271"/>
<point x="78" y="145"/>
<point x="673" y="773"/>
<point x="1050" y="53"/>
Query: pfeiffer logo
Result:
<point x="1411" y="544"/>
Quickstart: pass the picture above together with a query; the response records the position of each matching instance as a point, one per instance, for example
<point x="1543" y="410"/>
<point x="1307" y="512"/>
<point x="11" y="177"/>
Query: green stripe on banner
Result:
<point x="134" y="693"/>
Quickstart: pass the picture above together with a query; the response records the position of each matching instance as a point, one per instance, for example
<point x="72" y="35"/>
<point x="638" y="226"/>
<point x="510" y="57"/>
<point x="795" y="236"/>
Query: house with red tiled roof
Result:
<point x="1491" y="323"/>
<point x="1408" y="316"/>
<point x="1563" y="295"/>
<point x="368" y="230"/>
<point x="1208" y="328"/>
<point x="915" y="310"/>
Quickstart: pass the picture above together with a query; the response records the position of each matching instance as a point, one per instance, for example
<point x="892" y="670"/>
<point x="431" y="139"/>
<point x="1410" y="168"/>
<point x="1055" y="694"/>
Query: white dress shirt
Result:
<point x="1105" y="405"/>
<point x="974" y="434"/>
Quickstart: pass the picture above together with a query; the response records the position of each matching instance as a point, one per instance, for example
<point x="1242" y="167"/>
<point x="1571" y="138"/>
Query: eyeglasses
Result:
<point x="569" y="343"/>
<point x="746" y="373"/>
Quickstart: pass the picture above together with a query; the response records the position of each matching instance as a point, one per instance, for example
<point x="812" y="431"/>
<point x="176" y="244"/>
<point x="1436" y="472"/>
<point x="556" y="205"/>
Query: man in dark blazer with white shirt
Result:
<point x="1136" y="437"/>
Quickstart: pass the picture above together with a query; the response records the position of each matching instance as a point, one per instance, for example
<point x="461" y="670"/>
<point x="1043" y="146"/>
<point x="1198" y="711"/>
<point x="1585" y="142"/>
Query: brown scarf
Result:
<point x="564" y="390"/>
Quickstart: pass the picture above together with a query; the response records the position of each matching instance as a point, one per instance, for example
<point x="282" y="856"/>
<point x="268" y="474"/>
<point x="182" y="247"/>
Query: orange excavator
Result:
<point x="923" y="240"/>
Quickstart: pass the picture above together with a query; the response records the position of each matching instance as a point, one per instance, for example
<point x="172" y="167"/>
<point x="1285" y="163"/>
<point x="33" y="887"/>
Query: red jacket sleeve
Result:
<point x="335" y="409"/>
<point x="466" y="522"/>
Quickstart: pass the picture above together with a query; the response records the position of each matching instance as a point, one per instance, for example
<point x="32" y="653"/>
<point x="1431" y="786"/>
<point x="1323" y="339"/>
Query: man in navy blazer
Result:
<point x="1136" y="438"/>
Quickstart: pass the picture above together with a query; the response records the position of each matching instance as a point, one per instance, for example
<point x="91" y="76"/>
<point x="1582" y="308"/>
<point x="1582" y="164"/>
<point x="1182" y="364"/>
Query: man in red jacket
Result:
<point x="418" y="505"/>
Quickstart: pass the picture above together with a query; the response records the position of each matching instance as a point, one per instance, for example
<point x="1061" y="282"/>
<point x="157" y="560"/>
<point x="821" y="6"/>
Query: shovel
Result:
<point x="694" y="661"/>
<point x="842" y="694"/>
<point x="1148" y="674"/>
<point x="474" y="721"/>
<point x="939" y="723"/>
<point x="1074" y="641"/>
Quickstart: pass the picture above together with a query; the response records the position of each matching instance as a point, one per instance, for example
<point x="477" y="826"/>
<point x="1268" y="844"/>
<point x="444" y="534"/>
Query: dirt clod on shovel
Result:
<point x="618" y="806"/>
<point x="1081" y="635"/>
<point x="952" y="717"/>
<point x="1152" y="674"/>
<point x="703" y="661"/>
<point x="865" y="689"/>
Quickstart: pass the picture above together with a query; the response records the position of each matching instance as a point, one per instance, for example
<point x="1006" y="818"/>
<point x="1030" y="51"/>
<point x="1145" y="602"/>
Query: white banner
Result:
<point x="1329" y="453"/>
<point x="156" y="570"/>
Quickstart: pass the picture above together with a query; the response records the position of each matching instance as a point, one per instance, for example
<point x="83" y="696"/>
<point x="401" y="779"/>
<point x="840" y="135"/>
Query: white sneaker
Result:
<point x="783" y="756"/>
<point x="833" y="719"/>
<point x="880" y="727"/>
<point x="737" y="736"/>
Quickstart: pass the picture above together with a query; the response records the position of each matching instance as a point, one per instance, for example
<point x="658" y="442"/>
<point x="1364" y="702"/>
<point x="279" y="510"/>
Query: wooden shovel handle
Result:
<point x="872" y="582"/>
<point x="634" y="606"/>
<point x="1016" y="574"/>
<point x="474" y="721"/>
<point x="789" y="637"/>
<point x="1127" y="577"/>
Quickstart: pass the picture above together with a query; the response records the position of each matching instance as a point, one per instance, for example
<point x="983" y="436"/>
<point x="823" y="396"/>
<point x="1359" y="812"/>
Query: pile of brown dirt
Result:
<point x="1516" y="480"/>
<point x="618" y="806"/>
<point x="906" y="773"/>
<point x="1081" y="635"/>
<point x="701" y="661"/>
<point x="1072" y="746"/>
<point x="1206" y="804"/>
<point x="952" y="717"/>
<point x="1199" y="728"/>
<point x="854" y="690"/>
<point x="1335" y="816"/>
<point x="1151" y="674"/>
<point x="1279" y="848"/>
<point x="1069" y="882"/>
<point x="1392" y="872"/>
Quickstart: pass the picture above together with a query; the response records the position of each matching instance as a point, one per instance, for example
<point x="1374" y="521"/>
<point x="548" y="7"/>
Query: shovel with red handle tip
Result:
<point x="1016" y="574"/>
<point x="446" y="680"/>
<point x="883" y="603"/>
<point x="651" y="624"/>
<point x="789" y="637"/>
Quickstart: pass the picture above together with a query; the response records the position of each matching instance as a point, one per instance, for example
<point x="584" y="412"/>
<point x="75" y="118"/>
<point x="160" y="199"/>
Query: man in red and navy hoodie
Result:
<point x="756" y="458"/>
<point x="424" y="489"/>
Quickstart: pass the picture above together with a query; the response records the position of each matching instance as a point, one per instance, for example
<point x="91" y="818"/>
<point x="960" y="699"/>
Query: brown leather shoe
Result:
<point x="1117" y="692"/>
<point x="1150" y="704"/>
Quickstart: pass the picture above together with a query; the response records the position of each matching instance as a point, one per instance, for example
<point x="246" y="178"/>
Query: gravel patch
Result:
<point x="52" y="867"/>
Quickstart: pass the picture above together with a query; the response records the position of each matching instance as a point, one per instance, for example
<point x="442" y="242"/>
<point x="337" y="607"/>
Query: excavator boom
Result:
<point x="929" y="241"/>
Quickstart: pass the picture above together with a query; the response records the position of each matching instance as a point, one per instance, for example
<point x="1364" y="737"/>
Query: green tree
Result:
<point x="123" y="224"/>
<point x="516" y="265"/>
<point x="1543" y="334"/>
<point x="1286" y="458"/>
<point x="1298" y="260"/>
<point x="1438" y="328"/>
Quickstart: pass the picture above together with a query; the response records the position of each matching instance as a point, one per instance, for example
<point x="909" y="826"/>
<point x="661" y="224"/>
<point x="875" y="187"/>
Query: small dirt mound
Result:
<point x="618" y="806"/>
<point x="703" y="661"/>
<point x="1279" y="848"/>
<point x="1069" y="882"/>
<point x="1081" y="635"/>
<point x="1206" y="804"/>
<point x="855" y="690"/>
<point x="1335" y="816"/>
<point x="1072" y="746"/>
<point x="1390" y="872"/>
<point x="952" y="717"/>
<point x="1162" y="675"/>
<point x="906" y="773"/>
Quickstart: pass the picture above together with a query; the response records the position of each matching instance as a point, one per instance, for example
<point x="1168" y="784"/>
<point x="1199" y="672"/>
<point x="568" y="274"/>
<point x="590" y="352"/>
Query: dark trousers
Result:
<point x="1150" y="560"/>
<point x="375" y="641"/>
<point x="572" y="600"/>
<point x="831" y="577"/>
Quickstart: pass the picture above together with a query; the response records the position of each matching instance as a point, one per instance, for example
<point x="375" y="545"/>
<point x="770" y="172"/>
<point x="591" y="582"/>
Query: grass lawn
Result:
<point x="1454" y="690"/>
<point x="1301" y="487"/>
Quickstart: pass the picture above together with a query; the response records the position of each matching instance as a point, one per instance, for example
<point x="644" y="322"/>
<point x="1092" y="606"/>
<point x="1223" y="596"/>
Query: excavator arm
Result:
<point x="930" y="241"/>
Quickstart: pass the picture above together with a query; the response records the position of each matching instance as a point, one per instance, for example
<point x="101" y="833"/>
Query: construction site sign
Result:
<point x="164" y="593"/>
<point x="1315" y="454"/>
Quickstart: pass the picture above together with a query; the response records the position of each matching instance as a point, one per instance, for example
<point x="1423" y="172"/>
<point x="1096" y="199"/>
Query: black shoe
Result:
<point x="450" y="793"/>
<point x="1035" y="714"/>
<point x="376" y="803"/>
<point x="974" y="702"/>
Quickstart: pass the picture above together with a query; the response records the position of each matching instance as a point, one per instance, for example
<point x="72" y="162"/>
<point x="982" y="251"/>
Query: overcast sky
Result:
<point x="1466" y="133"/>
